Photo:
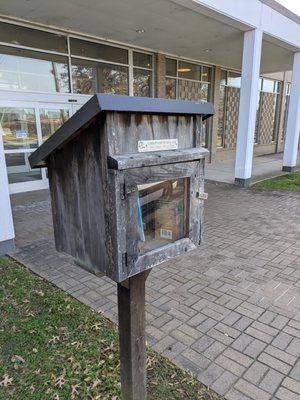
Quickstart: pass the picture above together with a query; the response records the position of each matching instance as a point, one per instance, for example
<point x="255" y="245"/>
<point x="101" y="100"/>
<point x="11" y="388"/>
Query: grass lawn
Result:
<point x="283" y="182"/>
<point x="53" y="347"/>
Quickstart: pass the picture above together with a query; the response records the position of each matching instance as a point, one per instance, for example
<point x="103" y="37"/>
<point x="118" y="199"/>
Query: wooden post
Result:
<point x="131" y="306"/>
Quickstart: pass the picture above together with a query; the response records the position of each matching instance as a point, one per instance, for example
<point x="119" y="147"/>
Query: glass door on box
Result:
<point x="162" y="213"/>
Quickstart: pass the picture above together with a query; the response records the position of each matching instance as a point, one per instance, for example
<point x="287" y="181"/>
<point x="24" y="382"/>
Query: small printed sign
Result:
<point x="21" y="134"/>
<point x="157" y="145"/>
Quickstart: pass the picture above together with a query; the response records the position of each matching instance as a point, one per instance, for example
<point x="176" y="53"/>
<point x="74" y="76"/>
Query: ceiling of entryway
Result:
<point x="168" y="27"/>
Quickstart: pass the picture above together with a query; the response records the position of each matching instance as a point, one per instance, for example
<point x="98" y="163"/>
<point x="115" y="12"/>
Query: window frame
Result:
<point x="68" y="54"/>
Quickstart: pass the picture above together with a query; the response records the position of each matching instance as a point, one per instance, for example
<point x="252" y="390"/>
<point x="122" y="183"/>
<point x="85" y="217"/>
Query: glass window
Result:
<point x="141" y="82"/>
<point x="18" y="168"/>
<point x="100" y="51"/>
<point x="142" y="60"/>
<point x="29" y="70"/>
<point x="171" y="67"/>
<point x="51" y="120"/>
<point x="84" y="76"/>
<point x="170" y="88"/>
<point x="112" y="79"/>
<point x="90" y="77"/>
<point x="234" y="79"/>
<point x="268" y="86"/>
<point x="205" y="91"/>
<point x="162" y="213"/>
<point x="206" y="74"/>
<point x="20" y="35"/>
<point x="19" y="128"/>
<point x="223" y="77"/>
<point x="277" y="86"/>
<point x="189" y="71"/>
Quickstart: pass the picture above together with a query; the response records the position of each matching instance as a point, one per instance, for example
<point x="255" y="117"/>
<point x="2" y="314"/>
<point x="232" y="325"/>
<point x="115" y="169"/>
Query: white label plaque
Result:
<point x="156" y="145"/>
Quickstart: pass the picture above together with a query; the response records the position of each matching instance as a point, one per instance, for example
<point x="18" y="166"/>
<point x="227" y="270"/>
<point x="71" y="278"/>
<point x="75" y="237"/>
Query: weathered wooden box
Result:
<point x="127" y="182"/>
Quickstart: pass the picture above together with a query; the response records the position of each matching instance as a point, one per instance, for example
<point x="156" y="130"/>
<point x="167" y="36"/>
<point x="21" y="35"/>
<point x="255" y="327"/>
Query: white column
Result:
<point x="293" y="121"/>
<point x="248" y="106"/>
<point x="6" y="222"/>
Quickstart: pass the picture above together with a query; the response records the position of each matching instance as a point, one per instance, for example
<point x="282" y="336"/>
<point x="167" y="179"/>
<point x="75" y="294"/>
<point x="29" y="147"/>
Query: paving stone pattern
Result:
<point x="229" y="312"/>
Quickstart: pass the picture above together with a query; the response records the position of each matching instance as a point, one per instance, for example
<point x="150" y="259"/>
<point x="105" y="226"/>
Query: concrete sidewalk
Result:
<point x="264" y="167"/>
<point x="229" y="312"/>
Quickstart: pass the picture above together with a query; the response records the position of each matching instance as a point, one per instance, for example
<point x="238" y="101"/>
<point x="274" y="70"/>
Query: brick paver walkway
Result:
<point x="229" y="311"/>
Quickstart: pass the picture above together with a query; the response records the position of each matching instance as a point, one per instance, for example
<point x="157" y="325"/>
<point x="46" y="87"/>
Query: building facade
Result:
<point x="46" y="76"/>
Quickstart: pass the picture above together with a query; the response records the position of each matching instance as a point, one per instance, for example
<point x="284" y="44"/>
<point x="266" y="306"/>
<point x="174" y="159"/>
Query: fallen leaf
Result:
<point x="7" y="381"/>
<point x="32" y="389"/>
<point x="75" y="390"/>
<point x="60" y="381"/>
<point x="96" y="327"/>
<point x="96" y="383"/>
<point x="17" y="358"/>
<point x="54" y="340"/>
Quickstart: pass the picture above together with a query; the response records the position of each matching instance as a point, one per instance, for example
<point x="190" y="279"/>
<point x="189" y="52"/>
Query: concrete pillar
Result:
<point x="248" y="105"/>
<point x="293" y="121"/>
<point x="160" y="75"/>
<point x="215" y="119"/>
<point x="6" y="224"/>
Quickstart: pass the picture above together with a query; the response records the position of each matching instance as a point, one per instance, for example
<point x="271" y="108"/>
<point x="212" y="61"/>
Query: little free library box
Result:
<point x="126" y="179"/>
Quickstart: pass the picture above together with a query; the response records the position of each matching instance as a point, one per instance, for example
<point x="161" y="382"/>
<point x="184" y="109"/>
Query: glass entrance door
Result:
<point x="25" y="126"/>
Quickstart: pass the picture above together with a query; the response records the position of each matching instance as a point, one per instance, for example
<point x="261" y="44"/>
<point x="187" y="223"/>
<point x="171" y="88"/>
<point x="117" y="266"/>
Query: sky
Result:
<point x="293" y="5"/>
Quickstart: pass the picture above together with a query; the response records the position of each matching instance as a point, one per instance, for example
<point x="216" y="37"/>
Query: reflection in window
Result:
<point x="171" y="67"/>
<point x="84" y="77"/>
<point x="19" y="128"/>
<point x="234" y="79"/>
<point x="29" y="70"/>
<point x="84" y="48"/>
<point x="206" y="74"/>
<point x="170" y="88"/>
<point x="91" y="77"/>
<point x="141" y="82"/>
<point x="162" y="213"/>
<point x="142" y="60"/>
<point x="268" y="86"/>
<point x="23" y="36"/>
<point x="189" y="71"/>
<point x="18" y="168"/>
<point x="112" y="79"/>
<point x="205" y="91"/>
<point x="51" y="120"/>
